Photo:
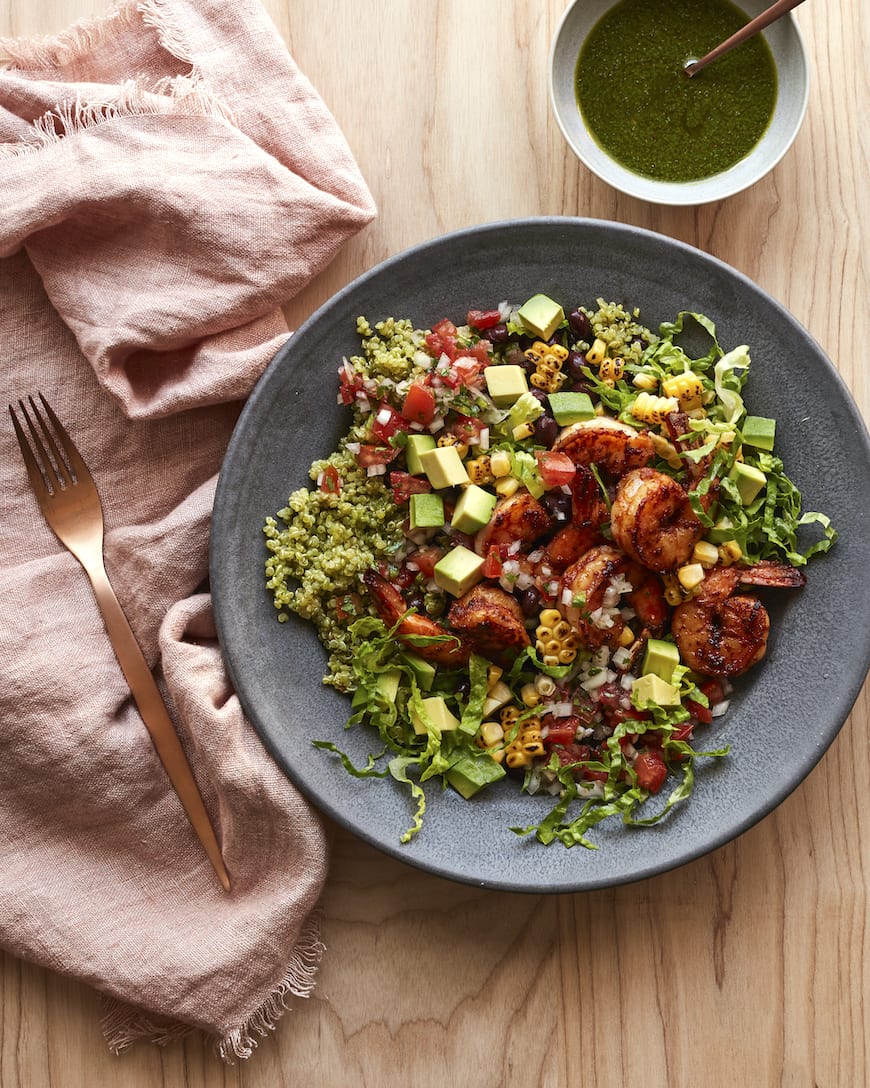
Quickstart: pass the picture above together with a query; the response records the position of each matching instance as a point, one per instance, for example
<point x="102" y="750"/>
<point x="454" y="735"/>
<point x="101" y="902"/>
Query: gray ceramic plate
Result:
<point x="784" y="714"/>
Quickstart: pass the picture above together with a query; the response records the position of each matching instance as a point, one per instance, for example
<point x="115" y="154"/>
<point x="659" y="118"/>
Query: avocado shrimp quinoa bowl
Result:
<point x="536" y="555"/>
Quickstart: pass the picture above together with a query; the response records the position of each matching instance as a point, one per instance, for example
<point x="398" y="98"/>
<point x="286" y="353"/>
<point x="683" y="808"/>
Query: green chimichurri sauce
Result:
<point x="644" y="111"/>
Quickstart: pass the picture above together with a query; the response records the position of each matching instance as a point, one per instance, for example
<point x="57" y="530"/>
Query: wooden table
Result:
<point x="747" y="967"/>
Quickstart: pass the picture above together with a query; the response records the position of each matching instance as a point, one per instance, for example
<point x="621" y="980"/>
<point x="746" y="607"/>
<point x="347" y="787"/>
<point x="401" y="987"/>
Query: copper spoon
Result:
<point x="781" y="7"/>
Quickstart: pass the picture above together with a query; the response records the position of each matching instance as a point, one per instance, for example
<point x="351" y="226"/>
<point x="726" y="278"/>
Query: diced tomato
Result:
<point x="492" y="564"/>
<point x="348" y="607"/>
<point x="483" y="319"/>
<point x="556" y="469"/>
<point x="330" y="481"/>
<point x="442" y="340"/>
<point x="375" y="455"/>
<point x="651" y="770"/>
<point x="714" y="691"/>
<point x="560" y="730"/>
<point x="467" y="429"/>
<point x="349" y="385"/>
<point x="466" y="368"/>
<point x="424" y="559"/>
<point x="405" y="485"/>
<point x="698" y="710"/>
<point x="419" y="404"/>
<point x="387" y="422"/>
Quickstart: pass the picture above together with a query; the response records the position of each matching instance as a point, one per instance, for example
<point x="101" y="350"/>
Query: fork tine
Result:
<point x="60" y="466"/>
<point x="73" y="457"/>
<point x="37" y="482"/>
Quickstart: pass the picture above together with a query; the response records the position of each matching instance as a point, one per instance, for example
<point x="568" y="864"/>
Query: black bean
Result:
<point x="580" y="325"/>
<point x="498" y="334"/>
<point x="529" y="600"/>
<point x="574" y="365"/>
<point x="557" y="504"/>
<point x="547" y="430"/>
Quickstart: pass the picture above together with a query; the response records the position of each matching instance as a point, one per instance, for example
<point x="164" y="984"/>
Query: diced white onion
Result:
<point x="621" y="657"/>
<point x="567" y="597"/>
<point x="484" y="438"/>
<point x="376" y="470"/>
<point x="720" y="708"/>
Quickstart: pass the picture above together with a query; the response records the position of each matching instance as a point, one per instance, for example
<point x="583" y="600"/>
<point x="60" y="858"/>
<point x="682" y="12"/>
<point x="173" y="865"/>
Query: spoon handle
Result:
<point x="770" y="15"/>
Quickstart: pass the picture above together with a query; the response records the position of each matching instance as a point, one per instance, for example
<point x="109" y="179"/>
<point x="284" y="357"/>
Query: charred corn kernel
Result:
<point x="497" y="753"/>
<point x="730" y="551"/>
<point x="533" y="744"/>
<point x="549" y="617"/>
<point x="726" y="438"/>
<point x="686" y="387"/>
<point x="447" y="439"/>
<point x="516" y="758"/>
<point x="530" y="695"/>
<point x="493" y="675"/>
<point x="674" y="592"/>
<point x="508" y="715"/>
<point x="547" y="380"/>
<point x="541" y="351"/>
<point x="597" y="352"/>
<point x="626" y="636"/>
<point x="491" y="733"/>
<point x="561" y="630"/>
<point x="644" y="380"/>
<point x="500" y="463"/>
<point x="507" y="486"/>
<point x="666" y="450"/>
<point x="479" y="470"/>
<point x="546" y="685"/>
<point x="706" y="554"/>
<point x="523" y="430"/>
<point x="650" y="409"/>
<point x="566" y="655"/>
<point x="550" y="660"/>
<point x="611" y="370"/>
<point x="691" y="575"/>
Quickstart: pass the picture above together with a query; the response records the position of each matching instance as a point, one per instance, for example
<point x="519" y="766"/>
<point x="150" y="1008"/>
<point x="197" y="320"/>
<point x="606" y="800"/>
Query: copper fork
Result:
<point x="68" y="498"/>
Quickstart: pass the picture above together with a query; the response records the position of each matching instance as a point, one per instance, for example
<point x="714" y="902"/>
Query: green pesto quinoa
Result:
<point x="329" y="538"/>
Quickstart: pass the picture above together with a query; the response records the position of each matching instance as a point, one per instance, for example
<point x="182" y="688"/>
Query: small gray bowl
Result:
<point x="787" y="46"/>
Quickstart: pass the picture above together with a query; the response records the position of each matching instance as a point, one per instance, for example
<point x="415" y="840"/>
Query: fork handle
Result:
<point x="154" y="713"/>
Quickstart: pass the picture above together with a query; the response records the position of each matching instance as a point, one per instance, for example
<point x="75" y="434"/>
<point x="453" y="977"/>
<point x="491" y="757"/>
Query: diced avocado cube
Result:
<point x="759" y="431"/>
<point x="473" y="509"/>
<point x="444" y="467"/>
<point x="652" y="689"/>
<point x="417" y="444"/>
<point x="660" y="659"/>
<point x="386" y="688"/>
<point x="571" y="407"/>
<point x="748" y="479"/>
<point x="426" y="511"/>
<point x="541" y="316"/>
<point x="458" y="570"/>
<point x="469" y="774"/>
<point x="497" y="696"/>
<point x="506" y="382"/>
<point x="439" y="714"/>
<point x="424" y="671"/>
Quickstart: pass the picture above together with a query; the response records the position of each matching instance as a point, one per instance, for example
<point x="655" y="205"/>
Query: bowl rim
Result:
<point x="669" y="193"/>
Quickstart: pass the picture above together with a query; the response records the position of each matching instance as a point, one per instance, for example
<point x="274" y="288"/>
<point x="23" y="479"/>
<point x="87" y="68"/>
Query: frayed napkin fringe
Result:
<point x="187" y="94"/>
<point x="123" y="1025"/>
<point x="67" y="47"/>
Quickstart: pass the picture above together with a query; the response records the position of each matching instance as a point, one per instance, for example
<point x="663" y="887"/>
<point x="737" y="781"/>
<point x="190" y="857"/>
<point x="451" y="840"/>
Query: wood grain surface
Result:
<point x="748" y="967"/>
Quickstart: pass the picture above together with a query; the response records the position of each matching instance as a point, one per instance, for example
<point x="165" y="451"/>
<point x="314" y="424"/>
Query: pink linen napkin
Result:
<point x="167" y="178"/>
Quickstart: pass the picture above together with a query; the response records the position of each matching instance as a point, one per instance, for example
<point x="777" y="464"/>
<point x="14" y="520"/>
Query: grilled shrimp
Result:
<point x="588" y="513"/>
<point x="719" y="633"/>
<point x="391" y="607"/>
<point x="490" y="621"/>
<point x="652" y="520"/>
<point x="608" y="443"/>
<point x="521" y="517"/>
